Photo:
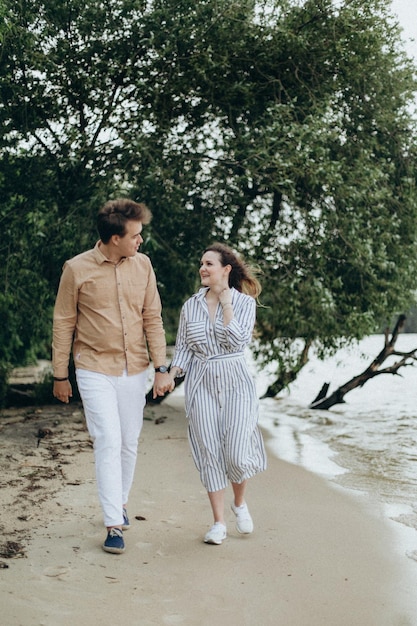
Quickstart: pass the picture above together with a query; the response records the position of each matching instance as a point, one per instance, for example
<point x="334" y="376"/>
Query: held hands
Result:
<point x="162" y="384"/>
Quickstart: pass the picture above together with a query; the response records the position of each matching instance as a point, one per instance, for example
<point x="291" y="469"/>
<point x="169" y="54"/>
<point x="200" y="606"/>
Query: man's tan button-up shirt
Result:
<point x="109" y="313"/>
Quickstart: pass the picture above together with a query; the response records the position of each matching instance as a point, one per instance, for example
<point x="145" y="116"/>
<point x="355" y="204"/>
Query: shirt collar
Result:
<point x="201" y="293"/>
<point x="101" y="258"/>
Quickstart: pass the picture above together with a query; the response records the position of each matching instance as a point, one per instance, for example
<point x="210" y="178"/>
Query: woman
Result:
<point x="216" y="325"/>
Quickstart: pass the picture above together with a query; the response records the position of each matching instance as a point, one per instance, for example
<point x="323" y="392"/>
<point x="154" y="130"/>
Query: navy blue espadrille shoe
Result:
<point x="114" y="542"/>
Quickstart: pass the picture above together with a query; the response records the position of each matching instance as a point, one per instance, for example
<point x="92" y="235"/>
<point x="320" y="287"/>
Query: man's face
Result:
<point x="128" y="245"/>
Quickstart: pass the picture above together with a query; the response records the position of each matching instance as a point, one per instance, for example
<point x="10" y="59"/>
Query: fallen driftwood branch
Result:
<point x="324" y="402"/>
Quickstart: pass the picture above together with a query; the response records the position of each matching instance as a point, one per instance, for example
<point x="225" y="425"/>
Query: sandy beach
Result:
<point x="318" y="556"/>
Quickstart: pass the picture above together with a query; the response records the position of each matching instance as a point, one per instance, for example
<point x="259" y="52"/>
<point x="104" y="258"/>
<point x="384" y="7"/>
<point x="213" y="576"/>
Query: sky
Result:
<point x="406" y="10"/>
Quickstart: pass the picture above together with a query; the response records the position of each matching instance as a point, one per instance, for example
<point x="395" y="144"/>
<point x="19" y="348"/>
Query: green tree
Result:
<point x="61" y="68"/>
<point x="282" y="127"/>
<point x="285" y="128"/>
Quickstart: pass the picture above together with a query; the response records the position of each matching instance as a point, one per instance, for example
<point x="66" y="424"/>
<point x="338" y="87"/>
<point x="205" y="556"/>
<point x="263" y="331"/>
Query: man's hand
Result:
<point x="162" y="384"/>
<point x="62" y="390"/>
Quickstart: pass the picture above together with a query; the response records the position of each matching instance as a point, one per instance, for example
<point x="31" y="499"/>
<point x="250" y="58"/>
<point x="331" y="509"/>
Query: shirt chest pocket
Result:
<point x="97" y="296"/>
<point x="134" y="295"/>
<point x="196" y="333"/>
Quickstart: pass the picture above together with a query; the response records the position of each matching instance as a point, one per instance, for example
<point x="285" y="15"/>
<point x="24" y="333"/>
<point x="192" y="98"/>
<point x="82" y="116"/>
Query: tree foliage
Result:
<point x="282" y="127"/>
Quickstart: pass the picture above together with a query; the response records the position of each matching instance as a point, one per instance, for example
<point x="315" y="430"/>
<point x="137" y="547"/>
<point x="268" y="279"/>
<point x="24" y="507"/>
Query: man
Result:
<point x="108" y="310"/>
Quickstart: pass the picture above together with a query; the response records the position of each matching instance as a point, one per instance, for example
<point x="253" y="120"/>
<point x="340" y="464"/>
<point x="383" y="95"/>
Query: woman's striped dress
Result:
<point x="220" y="394"/>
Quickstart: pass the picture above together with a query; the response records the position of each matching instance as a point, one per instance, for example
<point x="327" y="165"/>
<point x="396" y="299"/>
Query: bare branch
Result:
<point x="407" y="359"/>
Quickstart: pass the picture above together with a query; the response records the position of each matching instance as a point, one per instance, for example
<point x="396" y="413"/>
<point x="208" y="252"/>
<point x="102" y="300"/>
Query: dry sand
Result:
<point x="318" y="556"/>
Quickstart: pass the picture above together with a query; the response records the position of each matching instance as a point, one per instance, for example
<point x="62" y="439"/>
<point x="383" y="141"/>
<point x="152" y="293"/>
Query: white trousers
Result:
<point x="113" y="407"/>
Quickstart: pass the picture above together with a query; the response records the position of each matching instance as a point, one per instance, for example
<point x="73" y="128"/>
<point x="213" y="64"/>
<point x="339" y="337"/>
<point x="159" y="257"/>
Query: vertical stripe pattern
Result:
<point x="220" y="393"/>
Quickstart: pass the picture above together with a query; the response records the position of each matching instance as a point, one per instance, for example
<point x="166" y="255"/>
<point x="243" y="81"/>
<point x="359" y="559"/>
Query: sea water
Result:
<point x="368" y="443"/>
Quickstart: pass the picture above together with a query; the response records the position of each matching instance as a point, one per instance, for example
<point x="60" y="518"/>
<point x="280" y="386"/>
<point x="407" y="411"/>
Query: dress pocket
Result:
<point x="196" y="333"/>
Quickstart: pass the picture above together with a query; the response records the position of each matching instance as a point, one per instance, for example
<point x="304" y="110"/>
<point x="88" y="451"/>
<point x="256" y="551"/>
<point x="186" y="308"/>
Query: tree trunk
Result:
<point x="288" y="376"/>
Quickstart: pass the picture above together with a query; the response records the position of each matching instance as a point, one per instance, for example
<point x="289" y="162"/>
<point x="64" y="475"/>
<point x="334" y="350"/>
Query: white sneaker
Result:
<point x="244" y="523"/>
<point x="216" y="534"/>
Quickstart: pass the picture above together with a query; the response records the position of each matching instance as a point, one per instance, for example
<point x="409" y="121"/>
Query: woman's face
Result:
<point x="212" y="272"/>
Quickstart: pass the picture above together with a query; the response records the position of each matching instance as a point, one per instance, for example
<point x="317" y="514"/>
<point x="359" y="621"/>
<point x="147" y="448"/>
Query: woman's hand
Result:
<point x="225" y="299"/>
<point x="225" y="296"/>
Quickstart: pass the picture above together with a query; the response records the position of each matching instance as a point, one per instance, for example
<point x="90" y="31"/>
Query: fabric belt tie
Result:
<point x="206" y="360"/>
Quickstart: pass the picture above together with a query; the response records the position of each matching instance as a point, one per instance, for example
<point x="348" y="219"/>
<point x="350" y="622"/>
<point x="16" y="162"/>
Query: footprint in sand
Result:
<point x="58" y="571"/>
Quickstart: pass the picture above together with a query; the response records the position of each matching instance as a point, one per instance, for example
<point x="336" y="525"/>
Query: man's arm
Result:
<point x="155" y="335"/>
<point x="64" y="322"/>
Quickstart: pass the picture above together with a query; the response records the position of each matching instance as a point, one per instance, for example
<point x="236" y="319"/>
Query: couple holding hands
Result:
<point x="108" y="313"/>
